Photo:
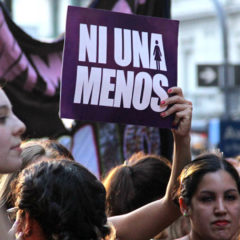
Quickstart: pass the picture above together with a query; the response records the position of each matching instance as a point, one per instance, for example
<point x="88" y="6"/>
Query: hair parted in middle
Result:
<point x="193" y="173"/>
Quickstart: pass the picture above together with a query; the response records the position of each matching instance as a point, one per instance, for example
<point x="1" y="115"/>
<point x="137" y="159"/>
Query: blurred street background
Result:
<point x="208" y="60"/>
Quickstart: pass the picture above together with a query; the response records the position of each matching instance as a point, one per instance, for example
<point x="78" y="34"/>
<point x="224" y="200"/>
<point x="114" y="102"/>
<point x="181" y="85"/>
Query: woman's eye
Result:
<point x="230" y="197"/>
<point x="3" y="119"/>
<point x="206" y="199"/>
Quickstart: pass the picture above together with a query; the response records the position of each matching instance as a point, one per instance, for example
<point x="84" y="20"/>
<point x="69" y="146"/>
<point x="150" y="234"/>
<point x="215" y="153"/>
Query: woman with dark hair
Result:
<point x="209" y="195"/>
<point x="139" y="180"/>
<point x="60" y="200"/>
<point x="32" y="151"/>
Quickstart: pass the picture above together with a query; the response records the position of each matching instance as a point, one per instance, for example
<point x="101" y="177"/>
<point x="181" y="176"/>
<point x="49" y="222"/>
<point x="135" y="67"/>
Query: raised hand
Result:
<point x="182" y="109"/>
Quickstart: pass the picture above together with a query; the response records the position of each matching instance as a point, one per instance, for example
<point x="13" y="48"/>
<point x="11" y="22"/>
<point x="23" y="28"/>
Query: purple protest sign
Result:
<point x="117" y="67"/>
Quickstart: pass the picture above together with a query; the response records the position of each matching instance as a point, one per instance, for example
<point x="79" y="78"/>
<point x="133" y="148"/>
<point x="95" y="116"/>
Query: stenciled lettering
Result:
<point x="87" y="85"/>
<point x="142" y="91"/>
<point x="122" y="47"/>
<point x="123" y="93"/>
<point x="138" y="48"/>
<point x="89" y="42"/>
<point x="94" y="85"/>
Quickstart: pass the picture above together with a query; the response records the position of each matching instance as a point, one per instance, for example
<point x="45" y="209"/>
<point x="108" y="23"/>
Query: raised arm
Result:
<point x="149" y="220"/>
<point x="181" y="134"/>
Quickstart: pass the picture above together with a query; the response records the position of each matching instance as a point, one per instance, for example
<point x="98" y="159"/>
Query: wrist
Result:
<point x="182" y="139"/>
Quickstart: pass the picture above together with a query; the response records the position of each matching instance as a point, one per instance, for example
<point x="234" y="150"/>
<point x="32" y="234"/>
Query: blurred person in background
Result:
<point x="140" y="180"/>
<point x="32" y="151"/>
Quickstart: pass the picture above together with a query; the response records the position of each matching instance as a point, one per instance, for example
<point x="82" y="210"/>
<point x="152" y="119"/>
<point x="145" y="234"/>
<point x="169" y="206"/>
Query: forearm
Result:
<point x="181" y="151"/>
<point x="146" y="222"/>
<point x="181" y="157"/>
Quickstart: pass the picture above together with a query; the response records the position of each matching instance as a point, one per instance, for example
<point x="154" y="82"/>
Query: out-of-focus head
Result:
<point x="53" y="149"/>
<point x="29" y="155"/>
<point x="63" y="198"/>
<point x="11" y="129"/>
<point x="209" y="195"/>
<point x="140" y="180"/>
<point x="32" y="151"/>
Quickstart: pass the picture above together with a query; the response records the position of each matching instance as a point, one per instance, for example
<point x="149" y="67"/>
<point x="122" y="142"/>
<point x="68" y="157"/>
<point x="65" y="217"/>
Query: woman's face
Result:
<point x="215" y="207"/>
<point x="11" y="129"/>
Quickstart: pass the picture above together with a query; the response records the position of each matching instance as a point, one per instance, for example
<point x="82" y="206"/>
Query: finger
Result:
<point x="188" y="102"/>
<point x="186" y="114"/>
<point x="176" y="121"/>
<point x="176" y="91"/>
<point x="172" y="100"/>
<point x="175" y="108"/>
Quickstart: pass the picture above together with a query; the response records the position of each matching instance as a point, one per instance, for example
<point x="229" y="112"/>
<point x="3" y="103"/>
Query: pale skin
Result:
<point x="214" y="211"/>
<point x="150" y="219"/>
<point x="11" y="129"/>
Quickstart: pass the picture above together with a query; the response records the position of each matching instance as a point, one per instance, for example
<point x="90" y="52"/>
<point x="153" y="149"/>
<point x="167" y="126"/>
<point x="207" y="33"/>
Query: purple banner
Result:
<point x="118" y="67"/>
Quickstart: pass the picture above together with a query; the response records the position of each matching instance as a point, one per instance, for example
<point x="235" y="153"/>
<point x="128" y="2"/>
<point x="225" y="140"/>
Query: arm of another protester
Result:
<point x="183" y="118"/>
<point x="149" y="220"/>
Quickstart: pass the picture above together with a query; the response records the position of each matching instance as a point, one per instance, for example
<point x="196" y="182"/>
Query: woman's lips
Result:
<point x="221" y="223"/>
<point x="17" y="148"/>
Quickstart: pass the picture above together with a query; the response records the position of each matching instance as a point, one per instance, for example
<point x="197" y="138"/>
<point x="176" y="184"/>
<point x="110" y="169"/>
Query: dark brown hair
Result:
<point x="193" y="173"/>
<point x="140" y="180"/>
<point x="65" y="199"/>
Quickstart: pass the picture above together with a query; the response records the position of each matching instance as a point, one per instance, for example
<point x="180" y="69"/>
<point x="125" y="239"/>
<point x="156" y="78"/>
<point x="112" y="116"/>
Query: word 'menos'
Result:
<point x="129" y="89"/>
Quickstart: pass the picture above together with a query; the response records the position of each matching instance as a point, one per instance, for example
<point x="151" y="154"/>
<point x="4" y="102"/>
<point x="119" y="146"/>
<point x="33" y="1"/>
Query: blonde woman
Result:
<point x="11" y="129"/>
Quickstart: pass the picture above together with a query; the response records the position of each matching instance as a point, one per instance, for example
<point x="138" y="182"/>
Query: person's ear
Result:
<point x="183" y="207"/>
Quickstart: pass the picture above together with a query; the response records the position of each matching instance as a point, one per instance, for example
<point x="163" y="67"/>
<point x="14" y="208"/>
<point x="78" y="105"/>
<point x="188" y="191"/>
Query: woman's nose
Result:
<point x="220" y="207"/>
<point x="19" y="126"/>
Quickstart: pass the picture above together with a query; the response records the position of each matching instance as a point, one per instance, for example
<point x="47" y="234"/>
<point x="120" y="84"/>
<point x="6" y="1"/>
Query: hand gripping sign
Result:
<point x="118" y="67"/>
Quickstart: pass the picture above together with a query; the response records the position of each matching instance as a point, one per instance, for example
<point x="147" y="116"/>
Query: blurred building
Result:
<point x="200" y="44"/>
<point x="42" y="19"/>
<point x="201" y="53"/>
